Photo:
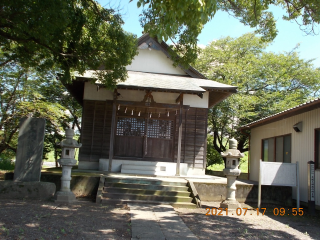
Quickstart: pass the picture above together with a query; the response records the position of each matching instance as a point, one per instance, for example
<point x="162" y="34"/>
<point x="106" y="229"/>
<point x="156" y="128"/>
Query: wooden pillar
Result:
<point x="179" y="137"/>
<point x="113" y="125"/>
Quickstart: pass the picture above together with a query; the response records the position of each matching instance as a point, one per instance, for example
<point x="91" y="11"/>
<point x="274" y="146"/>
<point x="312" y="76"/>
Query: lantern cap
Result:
<point x="69" y="141"/>
<point x="232" y="152"/>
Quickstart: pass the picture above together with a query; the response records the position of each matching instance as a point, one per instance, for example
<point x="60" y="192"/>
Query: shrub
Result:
<point x="6" y="164"/>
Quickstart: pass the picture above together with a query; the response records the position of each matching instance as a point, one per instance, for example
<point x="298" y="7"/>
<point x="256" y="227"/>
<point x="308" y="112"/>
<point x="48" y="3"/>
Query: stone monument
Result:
<point x="232" y="171"/>
<point x="30" y="149"/>
<point x="67" y="161"/>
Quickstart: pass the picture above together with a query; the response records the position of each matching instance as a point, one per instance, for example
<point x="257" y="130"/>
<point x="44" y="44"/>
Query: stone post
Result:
<point x="67" y="161"/>
<point x="232" y="171"/>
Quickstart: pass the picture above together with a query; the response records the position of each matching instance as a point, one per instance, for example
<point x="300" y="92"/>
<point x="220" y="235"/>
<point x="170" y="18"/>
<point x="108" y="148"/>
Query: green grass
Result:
<point x="50" y="156"/>
<point x="243" y="165"/>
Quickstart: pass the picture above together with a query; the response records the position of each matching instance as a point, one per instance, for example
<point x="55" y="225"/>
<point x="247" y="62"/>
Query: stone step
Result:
<point x="145" y="181"/>
<point x="145" y="197"/>
<point x="146" y="186"/>
<point x="122" y="202"/>
<point x="147" y="192"/>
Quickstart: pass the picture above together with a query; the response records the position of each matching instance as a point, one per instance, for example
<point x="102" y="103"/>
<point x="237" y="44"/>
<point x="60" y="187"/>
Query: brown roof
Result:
<point x="305" y="107"/>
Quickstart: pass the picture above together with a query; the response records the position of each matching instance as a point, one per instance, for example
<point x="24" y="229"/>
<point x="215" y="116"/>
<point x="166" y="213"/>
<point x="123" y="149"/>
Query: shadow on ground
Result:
<point x="250" y="226"/>
<point x="46" y="220"/>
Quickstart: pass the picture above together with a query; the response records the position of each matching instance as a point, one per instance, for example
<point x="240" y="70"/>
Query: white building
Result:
<point x="289" y="136"/>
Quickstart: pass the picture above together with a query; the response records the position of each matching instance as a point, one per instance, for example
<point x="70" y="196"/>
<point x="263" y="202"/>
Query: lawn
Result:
<point x="243" y="165"/>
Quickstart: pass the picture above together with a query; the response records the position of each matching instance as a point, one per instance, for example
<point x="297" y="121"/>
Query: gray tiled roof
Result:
<point x="153" y="81"/>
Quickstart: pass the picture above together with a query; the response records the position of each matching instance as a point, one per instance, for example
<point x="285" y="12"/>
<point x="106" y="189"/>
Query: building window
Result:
<point x="277" y="149"/>
<point x="317" y="148"/>
<point x="136" y="127"/>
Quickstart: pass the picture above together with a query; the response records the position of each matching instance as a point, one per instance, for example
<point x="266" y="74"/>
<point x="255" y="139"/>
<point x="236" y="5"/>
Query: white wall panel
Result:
<point x="91" y="93"/>
<point x="196" y="101"/>
<point x="154" y="61"/>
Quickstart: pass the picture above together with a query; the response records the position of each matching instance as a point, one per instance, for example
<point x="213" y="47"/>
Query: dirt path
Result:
<point x="47" y="220"/>
<point x="87" y="220"/>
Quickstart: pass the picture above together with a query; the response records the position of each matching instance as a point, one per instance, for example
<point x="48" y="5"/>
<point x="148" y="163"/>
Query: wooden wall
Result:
<point x="194" y="137"/>
<point x="96" y="124"/>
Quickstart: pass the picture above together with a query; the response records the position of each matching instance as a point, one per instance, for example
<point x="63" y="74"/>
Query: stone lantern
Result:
<point x="232" y="171"/>
<point x="67" y="161"/>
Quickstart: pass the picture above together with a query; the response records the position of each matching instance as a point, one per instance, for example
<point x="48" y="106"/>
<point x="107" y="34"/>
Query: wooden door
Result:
<point x="129" y="137"/>
<point x="159" y="140"/>
<point x="146" y="138"/>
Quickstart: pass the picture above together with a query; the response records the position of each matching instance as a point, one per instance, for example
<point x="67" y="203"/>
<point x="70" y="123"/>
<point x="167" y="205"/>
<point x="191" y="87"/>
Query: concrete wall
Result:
<point x="117" y="163"/>
<point x="81" y="186"/>
<point x="243" y="176"/>
<point x="27" y="190"/>
<point x="302" y="147"/>
<point x="154" y="61"/>
<point x="247" y="193"/>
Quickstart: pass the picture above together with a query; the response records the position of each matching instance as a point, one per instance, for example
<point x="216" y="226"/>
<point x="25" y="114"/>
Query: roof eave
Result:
<point x="285" y="114"/>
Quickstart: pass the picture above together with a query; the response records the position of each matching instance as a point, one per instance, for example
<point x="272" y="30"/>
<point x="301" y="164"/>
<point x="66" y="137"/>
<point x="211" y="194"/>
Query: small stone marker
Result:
<point x="30" y="149"/>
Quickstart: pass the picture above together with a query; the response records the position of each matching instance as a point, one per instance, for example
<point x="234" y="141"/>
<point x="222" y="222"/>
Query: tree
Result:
<point x="24" y="92"/>
<point x="71" y="35"/>
<point x="182" y="21"/>
<point x="267" y="83"/>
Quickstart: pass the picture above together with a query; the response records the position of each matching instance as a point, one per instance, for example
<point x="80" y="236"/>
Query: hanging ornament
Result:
<point x="150" y="115"/>
<point x="139" y="113"/>
<point x="132" y="112"/>
<point x="168" y="114"/>
<point x="118" y="107"/>
<point x="125" y="111"/>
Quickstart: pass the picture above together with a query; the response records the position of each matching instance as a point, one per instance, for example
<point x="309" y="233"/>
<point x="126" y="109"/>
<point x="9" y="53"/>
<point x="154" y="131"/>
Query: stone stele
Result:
<point x="30" y="149"/>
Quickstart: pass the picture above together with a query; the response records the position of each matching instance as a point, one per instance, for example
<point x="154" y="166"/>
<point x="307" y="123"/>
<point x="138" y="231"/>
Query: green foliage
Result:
<point x="5" y="163"/>
<point x="220" y="166"/>
<point x="72" y="35"/>
<point x="182" y="21"/>
<point x="177" y="19"/>
<point x="213" y="157"/>
<point x="26" y="91"/>
<point x="267" y="83"/>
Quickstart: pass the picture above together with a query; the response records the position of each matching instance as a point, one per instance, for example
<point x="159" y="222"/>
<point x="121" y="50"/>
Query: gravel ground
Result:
<point x="26" y="219"/>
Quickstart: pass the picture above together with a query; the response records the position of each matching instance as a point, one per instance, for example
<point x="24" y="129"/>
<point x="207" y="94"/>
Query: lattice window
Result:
<point x="130" y="127"/>
<point x="160" y="128"/>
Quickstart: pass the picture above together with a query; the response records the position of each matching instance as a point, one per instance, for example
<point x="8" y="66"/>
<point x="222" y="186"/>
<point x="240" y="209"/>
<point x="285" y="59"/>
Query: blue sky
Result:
<point x="223" y="25"/>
